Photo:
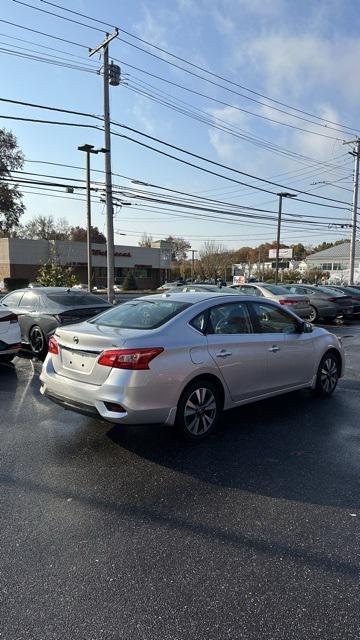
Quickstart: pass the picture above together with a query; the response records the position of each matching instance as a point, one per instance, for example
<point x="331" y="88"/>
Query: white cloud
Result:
<point x="296" y="64"/>
<point x="226" y="146"/>
<point x="142" y="112"/>
<point x="150" y="28"/>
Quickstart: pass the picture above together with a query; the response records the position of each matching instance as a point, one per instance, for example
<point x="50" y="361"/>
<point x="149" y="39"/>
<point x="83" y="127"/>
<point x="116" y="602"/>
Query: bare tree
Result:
<point x="214" y="258"/>
<point x="146" y="240"/>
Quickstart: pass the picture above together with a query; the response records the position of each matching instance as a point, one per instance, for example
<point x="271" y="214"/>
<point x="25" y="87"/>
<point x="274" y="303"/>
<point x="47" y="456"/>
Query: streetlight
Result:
<point x="283" y="194"/>
<point x="88" y="149"/>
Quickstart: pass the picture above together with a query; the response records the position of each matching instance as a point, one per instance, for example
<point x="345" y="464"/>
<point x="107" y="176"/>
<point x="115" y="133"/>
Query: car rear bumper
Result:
<point x="94" y="401"/>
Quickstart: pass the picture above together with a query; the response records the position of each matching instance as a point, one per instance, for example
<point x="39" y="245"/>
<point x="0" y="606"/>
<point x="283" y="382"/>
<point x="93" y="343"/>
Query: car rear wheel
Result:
<point x="198" y="410"/>
<point x="327" y="375"/>
<point x="314" y="314"/>
<point x="38" y="342"/>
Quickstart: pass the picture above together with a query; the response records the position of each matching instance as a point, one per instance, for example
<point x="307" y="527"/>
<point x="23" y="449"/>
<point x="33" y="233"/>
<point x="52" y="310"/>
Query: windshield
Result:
<point x="275" y="289"/>
<point x="141" y="314"/>
<point x="78" y="299"/>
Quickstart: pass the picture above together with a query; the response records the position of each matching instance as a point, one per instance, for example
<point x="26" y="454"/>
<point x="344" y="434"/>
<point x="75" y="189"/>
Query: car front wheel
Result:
<point x="198" y="410"/>
<point x="38" y="342"/>
<point x="327" y="375"/>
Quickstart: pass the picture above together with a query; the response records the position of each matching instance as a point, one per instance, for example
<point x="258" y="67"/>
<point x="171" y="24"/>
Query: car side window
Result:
<point x="273" y="320"/>
<point x="30" y="301"/>
<point x="232" y="318"/>
<point x="251" y="291"/>
<point x="199" y="323"/>
<point x="13" y="299"/>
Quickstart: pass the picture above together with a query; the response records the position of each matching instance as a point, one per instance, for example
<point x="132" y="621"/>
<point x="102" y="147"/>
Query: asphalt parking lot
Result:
<point x="126" y="533"/>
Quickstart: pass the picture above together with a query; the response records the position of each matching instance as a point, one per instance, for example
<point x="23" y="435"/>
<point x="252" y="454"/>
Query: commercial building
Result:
<point x="23" y="258"/>
<point x="336" y="261"/>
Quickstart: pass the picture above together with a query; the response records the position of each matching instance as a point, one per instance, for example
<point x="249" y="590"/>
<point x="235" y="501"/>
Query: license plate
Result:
<point x="76" y="361"/>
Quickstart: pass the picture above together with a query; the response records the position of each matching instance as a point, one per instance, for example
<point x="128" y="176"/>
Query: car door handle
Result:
<point x="274" y="348"/>
<point x="223" y="354"/>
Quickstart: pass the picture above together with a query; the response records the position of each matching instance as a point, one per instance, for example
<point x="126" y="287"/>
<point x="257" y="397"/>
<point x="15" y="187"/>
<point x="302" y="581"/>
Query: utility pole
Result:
<point x="356" y="154"/>
<point x="88" y="149"/>
<point x="193" y="251"/>
<point x="114" y="79"/>
<point x="281" y="195"/>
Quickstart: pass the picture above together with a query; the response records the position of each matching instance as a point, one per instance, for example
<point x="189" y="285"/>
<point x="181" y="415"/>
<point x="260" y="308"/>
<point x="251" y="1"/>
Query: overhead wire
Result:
<point x="21" y="2"/>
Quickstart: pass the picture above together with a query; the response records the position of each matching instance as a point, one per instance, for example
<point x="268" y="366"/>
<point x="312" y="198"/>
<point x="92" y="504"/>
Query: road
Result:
<point x="128" y="534"/>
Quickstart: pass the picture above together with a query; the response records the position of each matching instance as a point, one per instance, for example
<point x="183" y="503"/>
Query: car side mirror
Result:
<point x="307" y="327"/>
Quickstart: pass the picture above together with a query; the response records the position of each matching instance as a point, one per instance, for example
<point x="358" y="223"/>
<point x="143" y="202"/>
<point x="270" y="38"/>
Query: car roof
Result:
<point x="50" y="290"/>
<point x="200" y="296"/>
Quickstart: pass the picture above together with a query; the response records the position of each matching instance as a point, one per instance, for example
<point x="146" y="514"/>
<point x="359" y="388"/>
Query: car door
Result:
<point x="28" y="310"/>
<point x="238" y="351"/>
<point x="290" y="353"/>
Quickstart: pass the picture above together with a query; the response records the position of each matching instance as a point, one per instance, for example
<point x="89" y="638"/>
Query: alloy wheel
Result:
<point x="37" y="340"/>
<point x="329" y="375"/>
<point x="313" y="315"/>
<point x="200" y="411"/>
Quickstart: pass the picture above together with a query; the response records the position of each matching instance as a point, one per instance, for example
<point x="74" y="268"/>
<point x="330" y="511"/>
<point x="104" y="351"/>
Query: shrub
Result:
<point x="129" y="283"/>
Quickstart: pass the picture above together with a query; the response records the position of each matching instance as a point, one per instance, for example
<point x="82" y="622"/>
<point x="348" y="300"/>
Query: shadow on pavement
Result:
<point x="296" y="447"/>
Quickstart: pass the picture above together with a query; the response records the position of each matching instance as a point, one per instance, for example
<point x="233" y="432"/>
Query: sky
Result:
<point x="284" y="99"/>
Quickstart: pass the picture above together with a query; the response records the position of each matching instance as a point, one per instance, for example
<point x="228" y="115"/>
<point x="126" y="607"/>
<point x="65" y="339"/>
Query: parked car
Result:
<point x="298" y="303"/>
<point x="183" y="358"/>
<point x="189" y="288"/>
<point x="82" y="286"/>
<point x="326" y="304"/>
<point x="9" y="335"/>
<point x="171" y="285"/>
<point x="40" y="311"/>
<point x="354" y="294"/>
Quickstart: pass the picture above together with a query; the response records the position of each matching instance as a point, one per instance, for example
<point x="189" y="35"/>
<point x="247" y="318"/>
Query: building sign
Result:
<point x="283" y="253"/>
<point x="238" y="279"/>
<point x="117" y="254"/>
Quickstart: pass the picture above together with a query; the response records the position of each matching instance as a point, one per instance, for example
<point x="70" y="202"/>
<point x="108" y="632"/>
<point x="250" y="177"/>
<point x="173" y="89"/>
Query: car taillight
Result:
<point x="11" y="317"/>
<point x="333" y="299"/>
<point x="53" y="346"/>
<point x="288" y="301"/>
<point x="129" y="358"/>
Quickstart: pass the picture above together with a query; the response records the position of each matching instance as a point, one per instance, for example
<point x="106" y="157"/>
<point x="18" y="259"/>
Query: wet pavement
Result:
<point x="126" y="533"/>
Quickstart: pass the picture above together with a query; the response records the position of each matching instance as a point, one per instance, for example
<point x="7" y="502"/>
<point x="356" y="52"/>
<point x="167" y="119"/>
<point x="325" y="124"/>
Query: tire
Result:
<point x="38" y="342"/>
<point x="6" y="359"/>
<point x="198" y="410"/>
<point x="314" y="315"/>
<point x="327" y="375"/>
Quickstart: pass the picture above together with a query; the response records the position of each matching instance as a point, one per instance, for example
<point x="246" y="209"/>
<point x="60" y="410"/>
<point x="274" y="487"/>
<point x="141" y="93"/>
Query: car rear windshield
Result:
<point x="275" y="289"/>
<point x="330" y="292"/>
<point x="71" y="299"/>
<point x="141" y="314"/>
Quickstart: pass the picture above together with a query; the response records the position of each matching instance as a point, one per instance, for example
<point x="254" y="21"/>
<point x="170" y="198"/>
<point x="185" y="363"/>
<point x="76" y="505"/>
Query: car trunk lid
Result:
<point x="80" y="347"/>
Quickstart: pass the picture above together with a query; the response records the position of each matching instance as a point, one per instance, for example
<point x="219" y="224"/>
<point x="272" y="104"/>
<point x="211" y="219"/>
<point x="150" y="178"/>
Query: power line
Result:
<point x="196" y="66"/>
<point x="182" y="150"/>
<point x="348" y="130"/>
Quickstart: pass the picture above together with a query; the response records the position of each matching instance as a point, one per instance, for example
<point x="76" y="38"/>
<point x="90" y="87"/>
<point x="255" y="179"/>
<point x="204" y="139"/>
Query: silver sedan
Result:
<point x="183" y="358"/>
<point x="299" y="304"/>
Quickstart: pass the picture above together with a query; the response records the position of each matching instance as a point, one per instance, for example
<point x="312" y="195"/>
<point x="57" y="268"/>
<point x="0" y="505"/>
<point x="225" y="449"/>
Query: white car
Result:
<point x="10" y="335"/>
<point x="183" y="358"/>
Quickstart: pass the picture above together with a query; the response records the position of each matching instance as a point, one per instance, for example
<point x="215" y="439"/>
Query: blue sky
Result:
<point x="302" y="54"/>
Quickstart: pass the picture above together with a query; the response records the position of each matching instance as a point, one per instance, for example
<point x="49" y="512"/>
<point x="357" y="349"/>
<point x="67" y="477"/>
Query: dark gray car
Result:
<point x="326" y="304"/>
<point x="41" y="311"/>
